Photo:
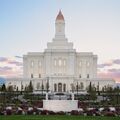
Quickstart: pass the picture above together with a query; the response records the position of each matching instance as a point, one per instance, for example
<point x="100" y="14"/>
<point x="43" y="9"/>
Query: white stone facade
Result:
<point x="60" y="65"/>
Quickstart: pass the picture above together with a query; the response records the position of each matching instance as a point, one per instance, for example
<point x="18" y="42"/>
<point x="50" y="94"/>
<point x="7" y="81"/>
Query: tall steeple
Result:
<point x="59" y="42"/>
<point x="60" y="26"/>
<point x="60" y="16"/>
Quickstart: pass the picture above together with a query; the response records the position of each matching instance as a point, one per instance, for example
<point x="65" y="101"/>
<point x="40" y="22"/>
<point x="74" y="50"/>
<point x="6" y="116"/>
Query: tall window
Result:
<point x="80" y="63"/>
<point x="55" y="87"/>
<point x="39" y="63"/>
<point x="60" y="62"/>
<point x="88" y="64"/>
<point x="32" y="64"/>
<point x="64" y="62"/>
<point x="64" y="87"/>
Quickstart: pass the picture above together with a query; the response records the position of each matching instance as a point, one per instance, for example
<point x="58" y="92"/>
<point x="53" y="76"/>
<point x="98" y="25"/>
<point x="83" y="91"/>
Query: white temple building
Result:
<point x="60" y="67"/>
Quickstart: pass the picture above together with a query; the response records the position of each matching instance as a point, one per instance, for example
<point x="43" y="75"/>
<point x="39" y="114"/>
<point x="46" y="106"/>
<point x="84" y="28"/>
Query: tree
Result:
<point x="92" y="91"/>
<point x="47" y="87"/>
<point x="30" y="87"/>
<point x="3" y="88"/>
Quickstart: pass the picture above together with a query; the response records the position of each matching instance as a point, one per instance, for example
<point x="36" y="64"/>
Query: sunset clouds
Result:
<point x="110" y="69"/>
<point x="10" y="67"/>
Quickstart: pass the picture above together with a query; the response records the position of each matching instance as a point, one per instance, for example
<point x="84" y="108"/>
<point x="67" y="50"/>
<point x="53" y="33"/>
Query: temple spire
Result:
<point x="60" y="26"/>
<point x="60" y="16"/>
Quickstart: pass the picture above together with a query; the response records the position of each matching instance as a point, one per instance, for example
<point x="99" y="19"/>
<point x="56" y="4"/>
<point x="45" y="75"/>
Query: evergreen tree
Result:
<point x="3" y="88"/>
<point x="30" y="87"/>
<point x="92" y="91"/>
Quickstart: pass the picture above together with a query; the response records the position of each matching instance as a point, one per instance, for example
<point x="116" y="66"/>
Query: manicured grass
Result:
<point x="55" y="117"/>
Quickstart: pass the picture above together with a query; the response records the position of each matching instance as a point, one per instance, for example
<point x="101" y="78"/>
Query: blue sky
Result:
<point x="92" y="25"/>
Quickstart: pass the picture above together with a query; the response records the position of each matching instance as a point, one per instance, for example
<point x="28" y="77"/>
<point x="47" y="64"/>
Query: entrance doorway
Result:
<point x="59" y="87"/>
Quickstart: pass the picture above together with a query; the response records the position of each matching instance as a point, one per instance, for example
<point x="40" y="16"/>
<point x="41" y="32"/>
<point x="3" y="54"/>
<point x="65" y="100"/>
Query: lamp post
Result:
<point x="42" y="88"/>
<point x="21" y="87"/>
<point x="77" y="90"/>
<point x="47" y="86"/>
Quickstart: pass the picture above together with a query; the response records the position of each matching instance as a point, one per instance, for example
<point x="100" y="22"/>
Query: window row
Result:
<point x="59" y="62"/>
<point x="81" y="63"/>
<point x="39" y="64"/>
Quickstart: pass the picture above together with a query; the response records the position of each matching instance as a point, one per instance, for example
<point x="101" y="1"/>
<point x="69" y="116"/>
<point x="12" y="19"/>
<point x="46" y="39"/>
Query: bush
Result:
<point x="74" y="112"/>
<point x="44" y="112"/>
<point x="8" y="112"/>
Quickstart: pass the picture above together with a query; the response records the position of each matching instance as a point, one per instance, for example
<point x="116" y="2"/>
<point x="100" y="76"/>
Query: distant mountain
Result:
<point x="2" y="81"/>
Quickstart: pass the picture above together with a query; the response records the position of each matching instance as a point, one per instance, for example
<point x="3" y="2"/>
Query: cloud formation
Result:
<point x="109" y="63"/>
<point x="3" y="59"/>
<point x="10" y="67"/>
<point x="15" y="63"/>
<point x="104" y="65"/>
<point x="110" y="69"/>
<point x="116" y="61"/>
<point x="18" y="56"/>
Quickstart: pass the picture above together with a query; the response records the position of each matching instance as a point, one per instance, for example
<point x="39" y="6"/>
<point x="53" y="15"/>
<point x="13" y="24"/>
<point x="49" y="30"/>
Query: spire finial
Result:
<point x="60" y="16"/>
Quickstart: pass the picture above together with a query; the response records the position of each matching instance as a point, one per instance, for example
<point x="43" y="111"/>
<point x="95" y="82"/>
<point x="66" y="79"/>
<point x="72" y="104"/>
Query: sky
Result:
<point x="92" y="25"/>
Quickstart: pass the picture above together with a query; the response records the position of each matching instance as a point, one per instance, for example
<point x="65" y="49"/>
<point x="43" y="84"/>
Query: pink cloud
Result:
<point x="15" y="63"/>
<point x="10" y="67"/>
<point x="111" y="73"/>
<point x="3" y="59"/>
<point x="108" y="64"/>
<point x="104" y="65"/>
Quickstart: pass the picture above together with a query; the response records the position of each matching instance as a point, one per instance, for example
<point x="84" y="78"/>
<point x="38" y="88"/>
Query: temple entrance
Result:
<point x="59" y="87"/>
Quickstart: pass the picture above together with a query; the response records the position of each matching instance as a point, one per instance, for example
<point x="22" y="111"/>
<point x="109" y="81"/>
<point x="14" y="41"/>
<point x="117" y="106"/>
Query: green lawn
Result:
<point x="55" y="117"/>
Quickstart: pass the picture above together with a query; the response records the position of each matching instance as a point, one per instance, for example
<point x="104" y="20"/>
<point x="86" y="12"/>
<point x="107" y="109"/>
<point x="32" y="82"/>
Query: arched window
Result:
<point x="64" y="87"/>
<point x="60" y="62"/>
<point x="55" y="87"/>
<point x="59" y="87"/>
